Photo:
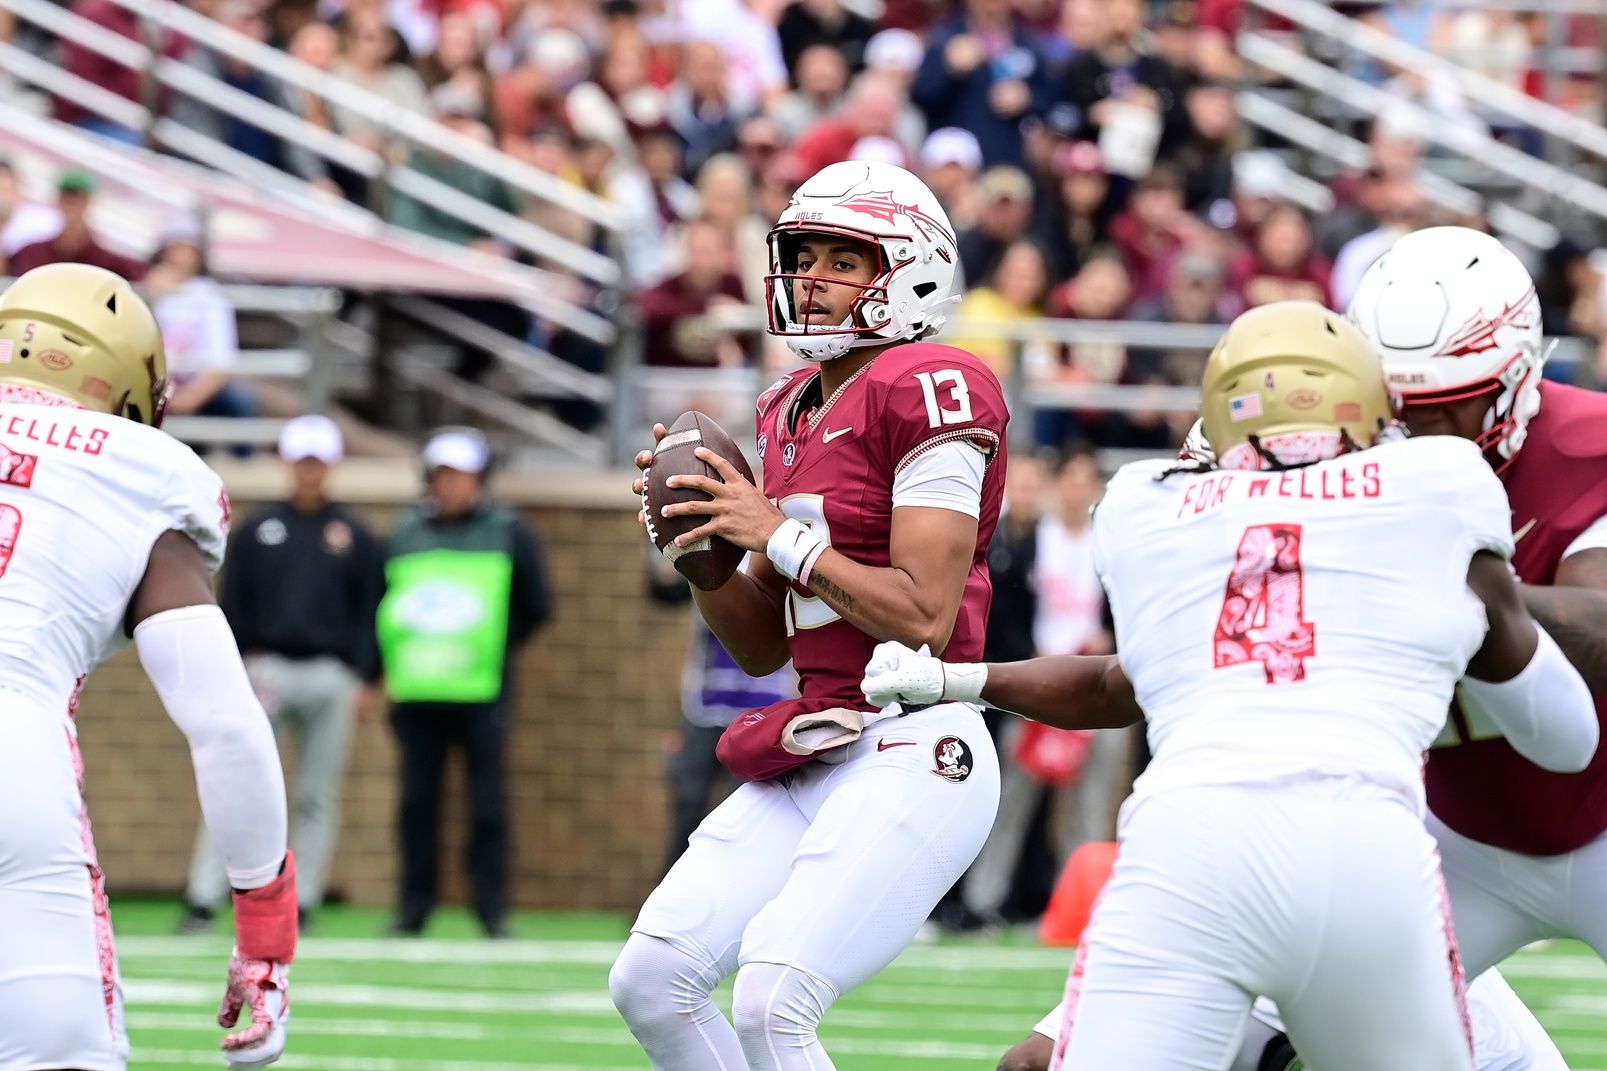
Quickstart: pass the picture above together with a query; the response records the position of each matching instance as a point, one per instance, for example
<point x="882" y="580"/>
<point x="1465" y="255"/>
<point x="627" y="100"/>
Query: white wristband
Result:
<point x="793" y="547"/>
<point x="963" y="681"/>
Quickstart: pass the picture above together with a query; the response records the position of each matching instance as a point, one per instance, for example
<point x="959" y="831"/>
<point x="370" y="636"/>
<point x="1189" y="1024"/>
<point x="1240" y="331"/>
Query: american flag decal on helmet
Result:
<point x="1478" y="334"/>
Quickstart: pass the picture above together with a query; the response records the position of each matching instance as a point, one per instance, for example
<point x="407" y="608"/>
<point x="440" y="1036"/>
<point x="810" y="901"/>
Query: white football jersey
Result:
<point x="83" y="496"/>
<point x="1309" y="622"/>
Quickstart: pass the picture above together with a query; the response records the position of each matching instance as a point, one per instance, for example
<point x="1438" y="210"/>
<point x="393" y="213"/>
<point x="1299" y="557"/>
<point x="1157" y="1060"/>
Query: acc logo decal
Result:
<point x="953" y="759"/>
<point x="764" y="441"/>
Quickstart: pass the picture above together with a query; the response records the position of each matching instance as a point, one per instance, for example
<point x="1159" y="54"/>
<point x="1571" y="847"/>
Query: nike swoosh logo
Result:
<point x="1521" y="532"/>
<point x="883" y="745"/>
<point x="827" y="437"/>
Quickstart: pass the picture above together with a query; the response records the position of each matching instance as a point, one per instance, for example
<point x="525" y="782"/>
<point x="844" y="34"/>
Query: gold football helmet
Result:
<point x="1292" y="368"/>
<point x="83" y="333"/>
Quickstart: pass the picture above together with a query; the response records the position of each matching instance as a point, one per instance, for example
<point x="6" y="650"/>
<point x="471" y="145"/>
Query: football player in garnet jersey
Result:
<point x="883" y="470"/>
<point x="110" y="530"/>
<point x="1291" y="677"/>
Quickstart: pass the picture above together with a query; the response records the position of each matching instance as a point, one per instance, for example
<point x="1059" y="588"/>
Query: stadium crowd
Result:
<point x="1088" y="152"/>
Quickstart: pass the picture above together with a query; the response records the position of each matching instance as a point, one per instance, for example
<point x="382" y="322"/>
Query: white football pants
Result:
<point x="1324" y="895"/>
<point x="806" y="886"/>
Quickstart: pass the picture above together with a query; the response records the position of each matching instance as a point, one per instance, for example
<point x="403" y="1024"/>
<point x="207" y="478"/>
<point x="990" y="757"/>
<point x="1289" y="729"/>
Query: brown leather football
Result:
<point x="710" y="561"/>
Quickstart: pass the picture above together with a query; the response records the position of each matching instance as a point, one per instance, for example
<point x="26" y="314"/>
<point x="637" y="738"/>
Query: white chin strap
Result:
<point x="828" y="345"/>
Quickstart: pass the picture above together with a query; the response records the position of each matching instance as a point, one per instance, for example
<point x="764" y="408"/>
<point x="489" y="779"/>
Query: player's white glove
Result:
<point x="265" y="926"/>
<point x="260" y="987"/>
<point x="897" y="674"/>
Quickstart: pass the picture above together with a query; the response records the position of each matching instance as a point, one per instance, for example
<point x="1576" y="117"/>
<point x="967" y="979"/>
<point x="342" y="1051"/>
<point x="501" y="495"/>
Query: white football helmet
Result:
<point x="1454" y="314"/>
<point x="882" y="204"/>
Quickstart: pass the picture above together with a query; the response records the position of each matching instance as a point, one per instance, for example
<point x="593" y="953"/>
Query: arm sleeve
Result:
<point x="190" y="656"/>
<point x="948" y="476"/>
<point x="1546" y="712"/>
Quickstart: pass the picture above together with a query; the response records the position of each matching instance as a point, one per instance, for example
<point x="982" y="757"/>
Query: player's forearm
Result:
<point x="1577" y="619"/>
<point x="884" y="603"/>
<point x="748" y="622"/>
<point x="190" y="656"/>
<point x="1065" y="691"/>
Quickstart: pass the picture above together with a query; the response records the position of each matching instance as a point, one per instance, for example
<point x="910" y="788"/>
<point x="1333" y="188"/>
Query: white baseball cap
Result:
<point x="952" y="145"/>
<point x="312" y="436"/>
<point x="457" y="449"/>
<point x="894" y="48"/>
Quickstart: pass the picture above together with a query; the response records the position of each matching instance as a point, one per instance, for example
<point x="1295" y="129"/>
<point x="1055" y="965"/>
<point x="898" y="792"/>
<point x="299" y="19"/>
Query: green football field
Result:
<point x="452" y="1002"/>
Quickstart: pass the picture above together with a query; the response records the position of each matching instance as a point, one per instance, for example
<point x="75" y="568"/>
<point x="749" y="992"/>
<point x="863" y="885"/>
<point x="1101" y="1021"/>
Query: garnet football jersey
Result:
<point x="833" y="469"/>
<point x="83" y="496"/>
<point x="1477" y="784"/>
<point x="1298" y="623"/>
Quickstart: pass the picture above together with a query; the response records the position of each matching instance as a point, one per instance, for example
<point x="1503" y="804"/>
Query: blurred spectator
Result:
<point x="1282" y="263"/>
<point x="808" y="23"/>
<point x="703" y="108"/>
<point x="623" y="102"/>
<point x="535" y="95"/>
<point x="22" y="222"/>
<point x="198" y="327"/>
<point x="1570" y="291"/>
<point x="1494" y="43"/>
<point x="459" y="60"/>
<point x="896" y="55"/>
<point x="950" y="160"/>
<point x="1194" y="295"/>
<point x="822" y="77"/>
<point x="1129" y="101"/>
<point x="368" y="58"/>
<point x="450" y="676"/>
<point x="983" y="72"/>
<point x="1012" y="567"/>
<point x="462" y="111"/>
<point x="304" y="579"/>
<point x="106" y="73"/>
<point x="74" y="242"/>
<point x="1206" y="155"/>
<point x="1259" y="177"/>
<point x="246" y="18"/>
<point x="1153" y="229"/>
<point x="1077" y="221"/>
<point x="655" y="199"/>
<point x="676" y="329"/>
<point x="871" y="110"/>
<point x="1402" y="209"/>
<point x="759" y="142"/>
<point x="880" y="150"/>
<point x="725" y="198"/>
<point x="1012" y="293"/>
<point x="316" y="44"/>
<point x="1357" y="214"/>
<point x="1004" y="215"/>
<point x="714" y="690"/>
<point x="1069" y="618"/>
<point x="1101" y="290"/>
<point x="745" y="30"/>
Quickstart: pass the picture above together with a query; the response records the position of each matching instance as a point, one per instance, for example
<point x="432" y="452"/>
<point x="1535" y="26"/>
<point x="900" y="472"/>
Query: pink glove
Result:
<point x="259" y="970"/>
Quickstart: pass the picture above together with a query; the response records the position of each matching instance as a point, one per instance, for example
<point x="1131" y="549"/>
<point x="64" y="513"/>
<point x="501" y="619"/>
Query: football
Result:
<point x="710" y="561"/>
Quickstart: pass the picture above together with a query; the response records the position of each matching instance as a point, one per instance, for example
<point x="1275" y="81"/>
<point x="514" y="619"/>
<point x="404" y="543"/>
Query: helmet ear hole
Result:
<point x="922" y="289"/>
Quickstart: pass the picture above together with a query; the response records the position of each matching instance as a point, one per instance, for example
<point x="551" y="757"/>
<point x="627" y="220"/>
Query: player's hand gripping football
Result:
<point x="644" y="461"/>
<point x="265" y="927"/>
<point x="737" y="510"/>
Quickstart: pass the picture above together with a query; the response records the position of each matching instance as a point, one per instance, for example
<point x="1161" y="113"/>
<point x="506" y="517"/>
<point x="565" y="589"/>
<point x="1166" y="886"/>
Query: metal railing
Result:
<point x="1348" y="152"/>
<point x="1541" y="177"/>
<point x="414" y="129"/>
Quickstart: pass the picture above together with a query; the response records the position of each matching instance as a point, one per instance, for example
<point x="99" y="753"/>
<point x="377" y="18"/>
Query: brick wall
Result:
<point x="599" y="698"/>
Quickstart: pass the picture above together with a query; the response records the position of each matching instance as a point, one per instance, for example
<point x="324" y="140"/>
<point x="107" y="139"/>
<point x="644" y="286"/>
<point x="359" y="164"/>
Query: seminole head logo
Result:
<point x="882" y="206"/>
<point x="953" y="759"/>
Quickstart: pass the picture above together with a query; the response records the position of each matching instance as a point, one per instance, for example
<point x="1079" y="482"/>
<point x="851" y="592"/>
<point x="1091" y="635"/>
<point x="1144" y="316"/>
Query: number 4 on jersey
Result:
<point x="1263" y="609"/>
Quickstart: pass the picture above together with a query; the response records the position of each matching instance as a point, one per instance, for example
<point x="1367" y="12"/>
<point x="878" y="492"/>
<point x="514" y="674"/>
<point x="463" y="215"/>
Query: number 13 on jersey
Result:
<point x="1263" y="607"/>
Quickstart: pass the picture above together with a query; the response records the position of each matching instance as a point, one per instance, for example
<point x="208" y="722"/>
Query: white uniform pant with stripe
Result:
<point x="60" y="999"/>
<point x="1324" y="895"/>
